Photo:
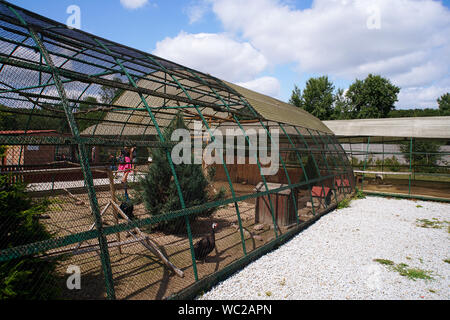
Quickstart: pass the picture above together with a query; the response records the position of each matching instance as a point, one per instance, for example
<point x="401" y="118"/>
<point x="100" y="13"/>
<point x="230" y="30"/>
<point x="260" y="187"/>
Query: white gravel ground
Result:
<point x="333" y="258"/>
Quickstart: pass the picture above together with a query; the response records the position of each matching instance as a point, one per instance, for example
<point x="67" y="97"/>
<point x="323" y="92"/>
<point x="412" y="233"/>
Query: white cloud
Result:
<point x="410" y="46"/>
<point x="197" y="9"/>
<point x="266" y="85"/>
<point x="420" y="97"/>
<point x="133" y="4"/>
<point x="217" y="54"/>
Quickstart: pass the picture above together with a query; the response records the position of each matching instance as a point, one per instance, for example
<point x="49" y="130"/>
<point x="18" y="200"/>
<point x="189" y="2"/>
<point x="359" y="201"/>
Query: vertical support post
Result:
<point x="365" y="162"/>
<point x="410" y="164"/>
<point x="382" y="162"/>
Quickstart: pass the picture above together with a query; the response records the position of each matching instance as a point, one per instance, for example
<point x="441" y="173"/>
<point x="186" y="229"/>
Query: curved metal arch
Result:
<point x="270" y="136"/>
<point x="272" y="211"/>
<point x="106" y="263"/>
<point x="224" y="164"/>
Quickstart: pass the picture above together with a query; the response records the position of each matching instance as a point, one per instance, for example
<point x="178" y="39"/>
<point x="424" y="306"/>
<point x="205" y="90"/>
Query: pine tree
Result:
<point x="158" y="190"/>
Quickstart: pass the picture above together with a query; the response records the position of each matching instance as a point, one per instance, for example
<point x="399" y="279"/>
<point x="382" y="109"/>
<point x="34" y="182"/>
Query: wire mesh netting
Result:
<point x="94" y="203"/>
<point x="407" y="166"/>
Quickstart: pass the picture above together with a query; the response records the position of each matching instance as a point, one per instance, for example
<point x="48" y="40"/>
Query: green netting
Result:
<point x="70" y="105"/>
<point x="408" y="167"/>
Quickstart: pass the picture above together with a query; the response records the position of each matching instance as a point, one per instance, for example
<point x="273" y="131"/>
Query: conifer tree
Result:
<point x="158" y="190"/>
<point x="29" y="277"/>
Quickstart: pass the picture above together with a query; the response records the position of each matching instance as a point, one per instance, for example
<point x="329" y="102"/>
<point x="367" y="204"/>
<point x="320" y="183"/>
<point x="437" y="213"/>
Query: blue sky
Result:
<point x="270" y="45"/>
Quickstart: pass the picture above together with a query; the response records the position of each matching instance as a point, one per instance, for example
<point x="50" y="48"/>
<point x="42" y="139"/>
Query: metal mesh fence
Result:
<point x="402" y="166"/>
<point x="89" y="178"/>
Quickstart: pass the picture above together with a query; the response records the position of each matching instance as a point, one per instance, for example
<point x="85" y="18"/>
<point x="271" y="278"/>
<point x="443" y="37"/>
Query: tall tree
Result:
<point x="444" y="104"/>
<point x="296" y="97"/>
<point x="317" y="97"/>
<point x="341" y="107"/>
<point x="373" y="97"/>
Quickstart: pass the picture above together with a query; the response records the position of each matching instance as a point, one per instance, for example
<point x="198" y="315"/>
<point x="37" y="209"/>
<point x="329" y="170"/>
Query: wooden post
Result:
<point x="112" y="190"/>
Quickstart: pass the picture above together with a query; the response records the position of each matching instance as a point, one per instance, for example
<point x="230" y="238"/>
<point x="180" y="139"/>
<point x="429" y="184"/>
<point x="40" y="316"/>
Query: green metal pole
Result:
<point x="272" y="211"/>
<point x="325" y="161"/>
<point x="172" y="167"/>
<point x="299" y="158"/>
<point x="365" y="162"/>
<point x="382" y="162"/>
<point x="315" y="165"/>
<point x="410" y="164"/>
<point x="341" y="172"/>
<point x="270" y="137"/>
<point x="233" y="194"/>
<point x="325" y="143"/>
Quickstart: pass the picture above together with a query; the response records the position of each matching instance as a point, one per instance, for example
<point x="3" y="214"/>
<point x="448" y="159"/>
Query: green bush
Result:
<point x="27" y="277"/>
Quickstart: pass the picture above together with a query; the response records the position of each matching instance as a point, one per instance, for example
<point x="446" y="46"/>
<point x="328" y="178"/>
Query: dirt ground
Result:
<point x="140" y="274"/>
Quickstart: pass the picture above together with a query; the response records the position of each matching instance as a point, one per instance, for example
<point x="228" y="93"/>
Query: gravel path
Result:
<point x="334" y="258"/>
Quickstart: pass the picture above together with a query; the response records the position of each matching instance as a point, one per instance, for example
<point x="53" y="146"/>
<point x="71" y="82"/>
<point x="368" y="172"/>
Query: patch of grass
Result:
<point x="447" y="260"/>
<point x="412" y="273"/>
<point x="404" y="270"/>
<point x="268" y="293"/>
<point x="344" y="204"/>
<point x="426" y="223"/>
<point x="431" y="290"/>
<point x="384" y="262"/>
<point x="359" y="194"/>
<point x="419" y="206"/>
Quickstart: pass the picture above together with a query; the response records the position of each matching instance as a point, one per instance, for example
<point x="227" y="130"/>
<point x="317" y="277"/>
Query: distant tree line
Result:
<point x="373" y="97"/>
